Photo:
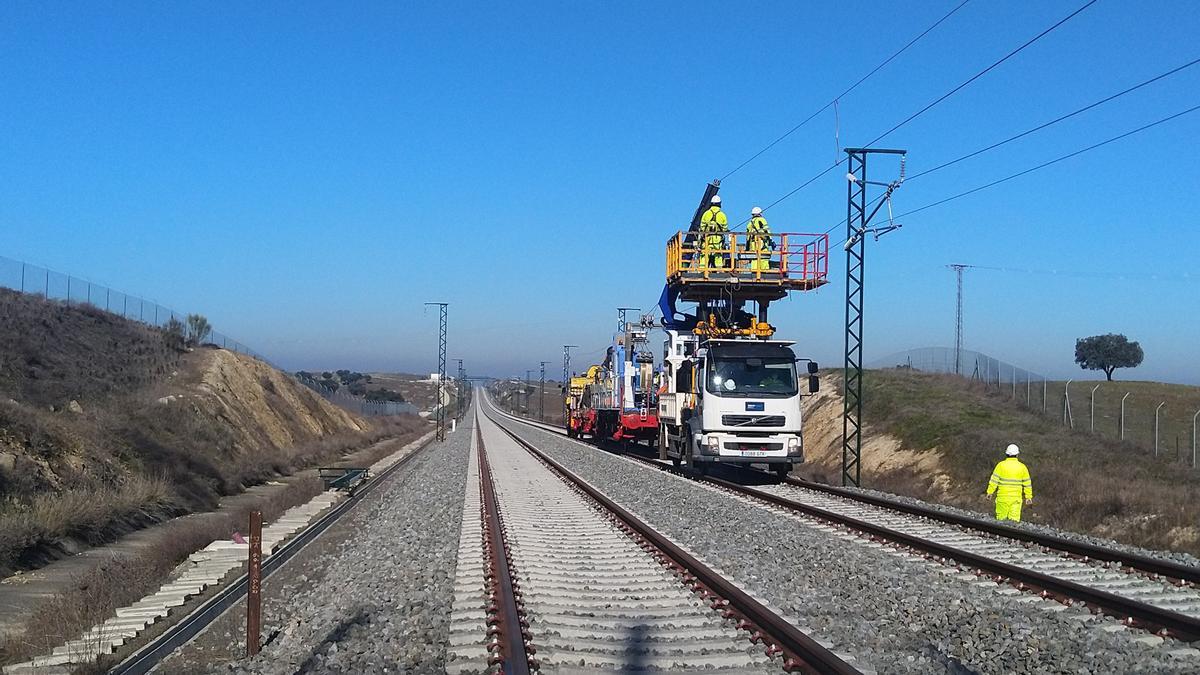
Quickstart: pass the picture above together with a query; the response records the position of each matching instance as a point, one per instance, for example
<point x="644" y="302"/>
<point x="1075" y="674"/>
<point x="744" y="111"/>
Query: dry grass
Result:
<point x="124" y="579"/>
<point x="86" y="514"/>
<point x="1082" y="482"/>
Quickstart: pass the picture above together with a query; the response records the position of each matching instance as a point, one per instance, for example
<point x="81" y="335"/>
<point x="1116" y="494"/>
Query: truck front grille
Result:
<point x="753" y="420"/>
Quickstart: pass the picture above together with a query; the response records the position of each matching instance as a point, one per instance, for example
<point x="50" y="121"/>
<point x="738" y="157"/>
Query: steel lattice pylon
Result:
<point x="857" y="220"/>
<point x="958" y="319"/>
<point x="461" y="388"/>
<point x="566" y="381"/>
<point x="440" y="417"/>
<point x="542" y="394"/>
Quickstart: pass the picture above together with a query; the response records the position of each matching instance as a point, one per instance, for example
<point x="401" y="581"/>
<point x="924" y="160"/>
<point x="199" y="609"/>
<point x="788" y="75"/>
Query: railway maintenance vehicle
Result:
<point x="729" y="393"/>
<point x="617" y="400"/>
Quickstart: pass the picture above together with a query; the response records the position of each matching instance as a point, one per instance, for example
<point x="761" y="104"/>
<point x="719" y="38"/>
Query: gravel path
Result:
<point x="893" y="610"/>
<point x="372" y="595"/>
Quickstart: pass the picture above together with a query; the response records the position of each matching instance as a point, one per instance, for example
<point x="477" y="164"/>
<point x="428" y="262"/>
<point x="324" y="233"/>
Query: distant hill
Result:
<point x="937" y="437"/>
<point x="107" y="425"/>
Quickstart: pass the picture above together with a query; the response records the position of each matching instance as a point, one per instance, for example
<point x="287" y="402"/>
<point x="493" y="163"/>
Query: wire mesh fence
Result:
<point x="358" y="404"/>
<point x="1162" y="418"/>
<point x="73" y="290"/>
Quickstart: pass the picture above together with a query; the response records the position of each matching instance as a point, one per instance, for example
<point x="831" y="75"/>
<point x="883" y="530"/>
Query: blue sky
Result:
<point x="307" y="175"/>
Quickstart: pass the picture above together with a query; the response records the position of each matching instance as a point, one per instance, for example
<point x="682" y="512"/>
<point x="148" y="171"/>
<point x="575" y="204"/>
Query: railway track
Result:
<point x="146" y="658"/>
<point x="580" y="584"/>
<point x="1143" y="592"/>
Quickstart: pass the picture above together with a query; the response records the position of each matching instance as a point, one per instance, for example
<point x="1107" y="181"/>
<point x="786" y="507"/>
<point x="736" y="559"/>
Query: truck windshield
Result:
<point x="751" y="376"/>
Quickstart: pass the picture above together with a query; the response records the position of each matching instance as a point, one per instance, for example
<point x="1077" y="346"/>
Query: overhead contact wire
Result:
<point x="852" y="87"/>
<point x="1040" y="127"/>
<point x="1052" y="162"/>
<point x="943" y="97"/>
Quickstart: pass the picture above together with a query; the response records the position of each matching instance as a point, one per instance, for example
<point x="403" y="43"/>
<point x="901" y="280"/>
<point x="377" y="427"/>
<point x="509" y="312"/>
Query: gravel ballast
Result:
<point x="372" y="595"/>
<point x="894" y="611"/>
<point x="1169" y="556"/>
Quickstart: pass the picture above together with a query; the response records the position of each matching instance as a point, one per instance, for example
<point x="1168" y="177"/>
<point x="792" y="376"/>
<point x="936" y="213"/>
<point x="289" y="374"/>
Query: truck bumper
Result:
<point x="734" y="449"/>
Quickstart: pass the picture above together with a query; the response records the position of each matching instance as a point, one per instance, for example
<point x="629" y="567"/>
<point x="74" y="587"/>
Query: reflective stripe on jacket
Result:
<point x="1011" y="479"/>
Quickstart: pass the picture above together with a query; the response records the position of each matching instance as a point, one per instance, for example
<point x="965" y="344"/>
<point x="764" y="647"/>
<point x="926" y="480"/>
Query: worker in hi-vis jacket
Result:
<point x="713" y="226"/>
<point x="1010" y="483"/>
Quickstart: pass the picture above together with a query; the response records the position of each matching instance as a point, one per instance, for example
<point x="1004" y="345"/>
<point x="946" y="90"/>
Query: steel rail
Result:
<point x="1131" y="612"/>
<point x="152" y="653"/>
<point x="504" y="604"/>
<point x="802" y="652"/>
<point x="1133" y="561"/>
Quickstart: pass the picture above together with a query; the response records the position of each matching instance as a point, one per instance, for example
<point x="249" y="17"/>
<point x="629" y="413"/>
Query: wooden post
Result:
<point x="254" y="586"/>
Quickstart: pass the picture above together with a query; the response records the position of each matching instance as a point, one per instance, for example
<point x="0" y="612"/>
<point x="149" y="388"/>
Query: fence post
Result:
<point x="1160" y="405"/>
<point x="1068" y="420"/>
<point x="107" y="299"/>
<point x="47" y="284"/>
<point x="1014" y="384"/>
<point x="1123" y="414"/>
<point x="1194" y="438"/>
<point x="1092" y="410"/>
<point x="68" y="290"/>
<point x="22" y="277"/>
<point x="1028" y="395"/>
<point x="1044" y="390"/>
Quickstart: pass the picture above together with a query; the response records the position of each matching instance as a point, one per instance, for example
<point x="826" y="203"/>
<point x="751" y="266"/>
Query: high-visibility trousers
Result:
<point x="761" y="259"/>
<point x="1008" y="508"/>
<point x="713" y="242"/>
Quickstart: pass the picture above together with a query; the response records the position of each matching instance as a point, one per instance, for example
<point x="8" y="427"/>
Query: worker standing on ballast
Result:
<point x="758" y="241"/>
<point x="713" y="226"/>
<point x="1010" y="483"/>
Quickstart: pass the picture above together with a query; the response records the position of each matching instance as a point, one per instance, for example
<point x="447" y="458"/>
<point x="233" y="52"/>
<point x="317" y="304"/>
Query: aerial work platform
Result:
<point x="762" y="267"/>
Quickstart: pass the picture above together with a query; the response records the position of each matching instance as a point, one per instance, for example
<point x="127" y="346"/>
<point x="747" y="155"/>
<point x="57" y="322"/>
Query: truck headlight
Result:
<point x="713" y="442"/>
<point x="793" y="445"/>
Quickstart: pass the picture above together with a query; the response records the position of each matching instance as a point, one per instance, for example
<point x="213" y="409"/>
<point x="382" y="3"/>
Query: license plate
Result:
<point x="754" y="453"/>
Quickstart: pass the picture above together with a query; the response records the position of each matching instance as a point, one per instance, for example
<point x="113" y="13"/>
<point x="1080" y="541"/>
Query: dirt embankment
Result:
<point x="267" y="410"/>
<point x="937" y="438"/>
<point x="109" y="425"/>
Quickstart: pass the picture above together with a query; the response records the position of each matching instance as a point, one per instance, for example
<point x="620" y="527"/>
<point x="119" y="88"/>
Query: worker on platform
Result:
<point x="1009" y="484"/>
<point x="713" y="226"/>
<point x="758" y="241"/>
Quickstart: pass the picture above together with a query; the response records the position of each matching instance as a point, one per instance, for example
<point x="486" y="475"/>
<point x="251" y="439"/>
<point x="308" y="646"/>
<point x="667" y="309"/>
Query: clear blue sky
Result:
<point x="307" y="175"/>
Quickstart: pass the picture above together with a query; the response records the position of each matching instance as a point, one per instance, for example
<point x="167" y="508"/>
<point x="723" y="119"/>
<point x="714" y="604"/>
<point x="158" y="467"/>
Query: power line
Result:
<point x="1052" y="162"/>
<point x="938" y="100"/>
<point x="983" y="72"/>
<point x="1057" y="119"/>
<point x="1040" y="127"/>
<point x="852" y="87"/>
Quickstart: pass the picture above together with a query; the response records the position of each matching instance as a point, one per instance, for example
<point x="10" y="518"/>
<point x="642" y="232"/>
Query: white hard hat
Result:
<point x="716" y="199"/>
<point x="756" y="211"/>
<point x="1012" y="450"/>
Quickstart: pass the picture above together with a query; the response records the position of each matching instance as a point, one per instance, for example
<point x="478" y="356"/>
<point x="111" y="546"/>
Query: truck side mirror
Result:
<point x="813" y="367"/>
<point x="814" y="384"/>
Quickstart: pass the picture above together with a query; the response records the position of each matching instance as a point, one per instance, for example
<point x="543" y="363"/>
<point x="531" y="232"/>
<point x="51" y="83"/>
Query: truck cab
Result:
<point x="731" y="401"/>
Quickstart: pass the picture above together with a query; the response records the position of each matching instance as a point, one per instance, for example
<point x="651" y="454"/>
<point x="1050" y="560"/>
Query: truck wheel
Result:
<point x="782" y="470"/>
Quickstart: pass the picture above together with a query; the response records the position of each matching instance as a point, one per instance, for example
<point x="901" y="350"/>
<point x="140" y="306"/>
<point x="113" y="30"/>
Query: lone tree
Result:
<point x="1107" y="353"/>
<point x="198" y="328"/>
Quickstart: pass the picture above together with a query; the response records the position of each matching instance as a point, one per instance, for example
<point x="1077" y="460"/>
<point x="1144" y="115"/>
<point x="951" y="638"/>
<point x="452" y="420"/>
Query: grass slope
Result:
<point x="1082" y="482"/>
<point x="109" y="425"/>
